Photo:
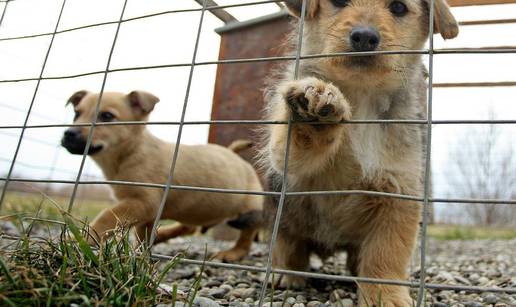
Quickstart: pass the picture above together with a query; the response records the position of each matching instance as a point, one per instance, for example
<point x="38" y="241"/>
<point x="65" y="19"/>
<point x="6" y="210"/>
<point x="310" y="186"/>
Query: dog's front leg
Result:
<point x="125" y="214"/>
<point x="313" y="144"/>
<point x="385" y="253"/>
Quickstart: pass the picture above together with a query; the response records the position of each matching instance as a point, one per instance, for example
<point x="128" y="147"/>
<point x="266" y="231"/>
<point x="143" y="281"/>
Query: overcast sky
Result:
<point x="170" y="38"/>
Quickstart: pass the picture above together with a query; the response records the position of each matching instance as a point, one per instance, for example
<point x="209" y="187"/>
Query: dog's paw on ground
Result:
<point x="231" y="255"/>
<point x="314" y="100"/>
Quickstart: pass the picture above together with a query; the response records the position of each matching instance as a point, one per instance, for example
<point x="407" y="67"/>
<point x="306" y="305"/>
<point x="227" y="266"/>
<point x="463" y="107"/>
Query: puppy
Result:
<point x="131" y="153"/>
<point x="379" y="233"/>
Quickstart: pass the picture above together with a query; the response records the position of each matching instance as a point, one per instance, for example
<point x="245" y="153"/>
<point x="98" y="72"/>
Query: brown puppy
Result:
<point x="132" y="153"/>
<point x="379" y="233"/>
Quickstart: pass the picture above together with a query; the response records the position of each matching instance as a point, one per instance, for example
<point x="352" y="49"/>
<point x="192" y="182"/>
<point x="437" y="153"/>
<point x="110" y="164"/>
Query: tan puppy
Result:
<point x="132" y="153"/>
<point x="379" y="233"/>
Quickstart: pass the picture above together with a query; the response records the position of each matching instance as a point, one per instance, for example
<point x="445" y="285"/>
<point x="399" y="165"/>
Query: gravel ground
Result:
<point x="486" y="263"/>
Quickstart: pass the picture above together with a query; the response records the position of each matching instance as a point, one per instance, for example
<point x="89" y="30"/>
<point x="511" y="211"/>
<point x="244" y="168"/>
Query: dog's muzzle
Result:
<point x="75" y="144"/>
<point x="363" y="39"/>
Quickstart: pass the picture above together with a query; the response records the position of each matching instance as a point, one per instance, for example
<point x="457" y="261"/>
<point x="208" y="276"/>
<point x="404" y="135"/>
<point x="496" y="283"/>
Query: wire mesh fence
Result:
<point x="211" y="7"/>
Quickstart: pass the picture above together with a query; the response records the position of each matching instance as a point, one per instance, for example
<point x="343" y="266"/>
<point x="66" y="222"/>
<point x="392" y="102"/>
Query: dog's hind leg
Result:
<point x="173" y="231"/>
<point x="241" y="248"/>
<point x="163" y="233"/>
<point x="313" y="143"/>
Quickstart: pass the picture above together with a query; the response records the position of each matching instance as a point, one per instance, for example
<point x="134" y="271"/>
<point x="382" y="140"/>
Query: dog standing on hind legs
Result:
<point x="378" y="233"/>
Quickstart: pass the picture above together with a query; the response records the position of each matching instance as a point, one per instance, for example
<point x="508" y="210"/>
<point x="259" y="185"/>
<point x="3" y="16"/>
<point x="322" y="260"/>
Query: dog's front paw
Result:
<point x="390" y="297"/>
<point x="314" y="100"/>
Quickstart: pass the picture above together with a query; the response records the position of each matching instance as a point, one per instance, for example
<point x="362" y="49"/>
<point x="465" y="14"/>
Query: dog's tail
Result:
<point x="251" y="219"/>
<point x="240" y="144"/>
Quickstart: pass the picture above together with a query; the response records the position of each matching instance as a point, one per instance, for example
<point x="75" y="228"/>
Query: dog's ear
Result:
<point x="444" y="22"/>
<point x="76" y="98"/>
<point x="295" y="7"/>
<point x="142" y="101"/>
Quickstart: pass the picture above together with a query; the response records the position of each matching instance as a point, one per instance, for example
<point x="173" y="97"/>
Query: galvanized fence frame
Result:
<point x="208" y="6"/>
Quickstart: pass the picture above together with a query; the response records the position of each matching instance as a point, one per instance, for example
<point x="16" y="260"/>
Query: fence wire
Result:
<point x="428" y="152"/>
<point x="425" y="199"/>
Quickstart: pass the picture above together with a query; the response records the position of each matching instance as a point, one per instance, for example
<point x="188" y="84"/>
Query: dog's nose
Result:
<point x="72" y="134"/>
<point x="364" y="39"/>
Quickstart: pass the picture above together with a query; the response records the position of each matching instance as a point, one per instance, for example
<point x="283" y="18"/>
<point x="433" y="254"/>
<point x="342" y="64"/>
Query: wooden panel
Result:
<point x="478" y="2"/>
<point x="239" y="87"/>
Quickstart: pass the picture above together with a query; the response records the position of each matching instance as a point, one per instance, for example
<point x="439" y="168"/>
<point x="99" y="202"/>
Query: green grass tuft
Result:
<point x="66" y="270"/>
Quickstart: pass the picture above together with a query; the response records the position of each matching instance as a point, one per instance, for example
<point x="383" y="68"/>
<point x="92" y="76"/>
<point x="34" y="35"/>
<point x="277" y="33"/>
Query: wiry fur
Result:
<point x="379" y="233"/>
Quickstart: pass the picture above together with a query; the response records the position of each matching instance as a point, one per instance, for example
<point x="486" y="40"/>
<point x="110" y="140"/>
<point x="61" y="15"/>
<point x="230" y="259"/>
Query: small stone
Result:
<point x="473" y="304"/>
<point x="183" y="273"/>
<point x="493" y="273"/>
<point x="9" y="228"/>
<point x="445" y="276"/>
<point x="242" y="285"/>
<point x="291" y="300"/>
<point x="242" y="292"/>
<point x="205" y="302"/>
<point x="204" y="292"/>
<point x="278" y="297"/>
<point x="313" y="304"/>
<point x="249" y="300"/>
<point x="227" y="287"/>
<point x="301" y="299"/>
<point x="213" y="283"/>
<point x="483" y="280"/>
<point x="462" y="280"/>
<point x="439" y="304"/>
<point x="432" y="271"/>
<point x="474" y="277"/>
<point x="298" y="305"/>
<point x="490" y="299"/>
<point x="444" y="296"/>
<point x="218" y="292"/>
<point x="346" y="302"/>
<point x="337" y="295"/>
<point x="231" y="279"/>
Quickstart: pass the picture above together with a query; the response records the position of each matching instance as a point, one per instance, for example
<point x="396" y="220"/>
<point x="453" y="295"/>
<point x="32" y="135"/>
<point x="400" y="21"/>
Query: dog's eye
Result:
<point x="398" y="8"/>
<point x="76" y="115"/>
<point x="106" y="116"/>
<point x="340" y="3"/>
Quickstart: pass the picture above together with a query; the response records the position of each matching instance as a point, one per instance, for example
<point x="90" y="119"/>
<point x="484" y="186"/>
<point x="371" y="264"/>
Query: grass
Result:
<point x="454" y="232"/>
<point x="28" y="204"/>
<point x="68" y="270"/>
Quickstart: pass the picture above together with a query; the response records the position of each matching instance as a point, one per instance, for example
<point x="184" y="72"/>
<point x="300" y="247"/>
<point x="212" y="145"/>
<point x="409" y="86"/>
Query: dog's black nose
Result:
<point x="364" y="39"/>
<point x="72" y="134"/>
